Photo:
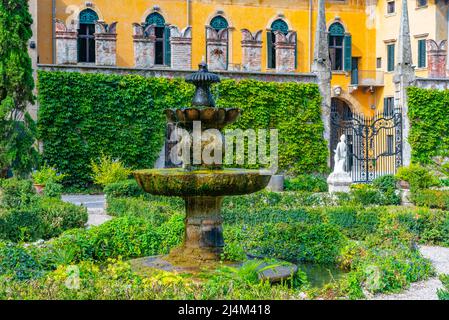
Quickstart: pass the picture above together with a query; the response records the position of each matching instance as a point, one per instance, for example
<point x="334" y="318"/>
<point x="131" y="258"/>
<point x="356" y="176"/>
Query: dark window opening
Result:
<point x="278" y="25"/>
<point x="388" y="106"/>
<point x="162" y="50"/>
<point x="390" y="57"/>
<point x="391" y="7"/>
<point x="86" y="36"/>
<point x="379" y="63"/>
<point x="421" y="3"/>
<point x="159" y="46"/>
<point x="390" y="144"/>
<point x="336" y="52"/>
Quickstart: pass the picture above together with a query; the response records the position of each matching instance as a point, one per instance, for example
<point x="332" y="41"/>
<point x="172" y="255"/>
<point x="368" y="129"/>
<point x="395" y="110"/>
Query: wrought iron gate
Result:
<point x="374" y="143"/>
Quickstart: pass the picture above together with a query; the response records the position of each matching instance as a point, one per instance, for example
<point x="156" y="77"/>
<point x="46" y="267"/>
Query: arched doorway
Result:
<point x="86" y="36"/>
<point x="374" y="142"/>
<point x="341" y="120"/>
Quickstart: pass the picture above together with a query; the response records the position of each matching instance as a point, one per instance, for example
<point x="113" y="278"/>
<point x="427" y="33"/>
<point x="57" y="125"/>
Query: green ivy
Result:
<point x="428" y="136"/>
<point x="83" y="115"/>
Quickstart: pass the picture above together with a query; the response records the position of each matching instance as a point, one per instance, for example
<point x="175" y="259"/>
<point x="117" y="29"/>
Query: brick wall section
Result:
<point x="436" y="58"/>
<point x="181" y="48"/>
<point x="144" y="45"/>
<point x="66" y="43"/>
<point x="252" y="50"/>
<point x="217" y="48"/>
<point x="106" y="44"/>
<point x="285" y="51"/>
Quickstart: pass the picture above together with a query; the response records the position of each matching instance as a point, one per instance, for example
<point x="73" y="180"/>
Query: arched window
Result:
<point x="86" y="37"/>
<point x="340" y="48"/>
<point x="277" y="25"/>
<point x="219" y="23"/>
<point x="162" y="48"/>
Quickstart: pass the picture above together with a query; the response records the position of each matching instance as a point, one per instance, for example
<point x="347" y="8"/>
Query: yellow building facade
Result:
<point x="300" y="17"/>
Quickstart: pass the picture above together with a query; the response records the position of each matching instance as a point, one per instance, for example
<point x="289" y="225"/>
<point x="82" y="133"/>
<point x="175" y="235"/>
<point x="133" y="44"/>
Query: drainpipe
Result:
<point x="53" y="30"/>
<point x="310" y="34"/>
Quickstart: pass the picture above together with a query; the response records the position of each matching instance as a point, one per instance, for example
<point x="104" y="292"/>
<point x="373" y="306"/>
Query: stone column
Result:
<point x="217" y="48"/>
<point x="321" y="67"/>
<point x="252" y="50"/>
<point x="404" y="76"/>
<point x="106" y="44"/>
<point x="181" y="48"/>
<point x="436" y="58"/>
<point x="285" y="51"/>
<point x="66" y="43"/>
<point x="144" y="45"/>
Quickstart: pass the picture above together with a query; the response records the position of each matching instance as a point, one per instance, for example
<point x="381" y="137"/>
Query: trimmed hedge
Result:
<point x="428" y="111"/>
<point x="83" y="115"/>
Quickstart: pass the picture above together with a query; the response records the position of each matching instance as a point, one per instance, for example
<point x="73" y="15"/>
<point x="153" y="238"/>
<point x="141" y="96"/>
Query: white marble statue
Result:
<point x="340" y="156"/>
<point x="340" y="180"/>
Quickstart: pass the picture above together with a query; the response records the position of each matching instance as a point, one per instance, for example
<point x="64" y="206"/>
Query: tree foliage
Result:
<point x="17" y="129"/>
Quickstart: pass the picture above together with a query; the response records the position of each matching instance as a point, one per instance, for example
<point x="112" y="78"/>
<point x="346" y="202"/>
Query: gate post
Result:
<point x="404" y="76"/>
<point x="321" y="67"/>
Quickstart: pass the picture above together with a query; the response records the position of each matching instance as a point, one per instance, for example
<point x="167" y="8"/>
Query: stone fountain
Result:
<point x="202" y="186"/>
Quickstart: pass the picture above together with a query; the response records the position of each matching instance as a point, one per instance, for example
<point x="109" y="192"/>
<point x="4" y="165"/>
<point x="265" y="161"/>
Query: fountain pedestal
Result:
<point x="204" y="230"/>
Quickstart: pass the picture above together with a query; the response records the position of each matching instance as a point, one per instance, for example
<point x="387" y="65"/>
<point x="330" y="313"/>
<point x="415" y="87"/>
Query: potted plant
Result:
<point x="45" y="175"/>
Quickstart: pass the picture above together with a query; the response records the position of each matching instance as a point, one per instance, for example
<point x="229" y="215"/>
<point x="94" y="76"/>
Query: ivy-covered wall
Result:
<point x="429" y="121"/>
<point x="83" y="115"/>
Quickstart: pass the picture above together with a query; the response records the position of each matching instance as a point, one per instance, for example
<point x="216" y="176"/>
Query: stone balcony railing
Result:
<point x="167" y="72"/>
<point x="367" y="78"/>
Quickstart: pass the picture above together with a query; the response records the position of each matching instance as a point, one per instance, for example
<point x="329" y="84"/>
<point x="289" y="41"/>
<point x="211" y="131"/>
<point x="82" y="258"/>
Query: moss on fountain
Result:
<point x="182" y="183"/>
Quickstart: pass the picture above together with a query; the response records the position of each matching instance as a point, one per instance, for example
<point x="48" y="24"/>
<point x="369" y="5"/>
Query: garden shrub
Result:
<point x="122" y="117"/>
<point x="43" y="219"/>
<point x="343" y="217"/>
<point x="418" y="177"/>
<point x="443" y="294"/>
<point x="127" y="188"/>
<point x="108" y="171"/>
<point x="431" y="198"/>
<point x="319" y="243"/>
<point x="117" y="281"/>
<point x="17" y="264"/>
<point x="306" y="182"/>
<point x="16" y="193"/>
<point x="52" y="190"/>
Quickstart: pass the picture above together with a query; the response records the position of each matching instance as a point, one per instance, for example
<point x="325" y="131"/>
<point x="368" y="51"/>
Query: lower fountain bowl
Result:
<point x="180" y="183"/>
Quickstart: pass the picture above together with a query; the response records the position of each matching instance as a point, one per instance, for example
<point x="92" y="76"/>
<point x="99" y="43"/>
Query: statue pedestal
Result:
<point x="339" y="182"/>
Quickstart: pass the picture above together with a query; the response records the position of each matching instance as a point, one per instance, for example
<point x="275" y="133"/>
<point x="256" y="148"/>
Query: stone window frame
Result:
<point x="271" y="37"/>
<point x="387" y="7"/>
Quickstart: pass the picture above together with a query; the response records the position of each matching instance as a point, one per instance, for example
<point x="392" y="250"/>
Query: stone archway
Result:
<point x="342" y="113"/>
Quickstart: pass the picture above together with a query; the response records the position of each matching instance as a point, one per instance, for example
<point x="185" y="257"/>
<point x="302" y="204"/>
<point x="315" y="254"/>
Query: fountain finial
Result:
<point x="202" y="80"/>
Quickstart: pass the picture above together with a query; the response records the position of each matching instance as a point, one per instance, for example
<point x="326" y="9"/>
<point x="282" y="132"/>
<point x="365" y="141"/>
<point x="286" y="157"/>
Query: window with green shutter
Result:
<point x="422" y="53"/>
<point x="162" y="47"/>
<point x="340" y="48"/>
<point x="390" y="57"/>
<point x="277" y="25"/>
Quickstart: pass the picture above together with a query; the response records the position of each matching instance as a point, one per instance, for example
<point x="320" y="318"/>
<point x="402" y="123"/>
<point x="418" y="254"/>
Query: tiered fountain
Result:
<point x="202" y="187"/>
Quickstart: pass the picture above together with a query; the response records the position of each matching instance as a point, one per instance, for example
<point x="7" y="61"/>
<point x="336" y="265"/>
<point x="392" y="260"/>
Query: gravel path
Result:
<point x="94" y="204"/>
<point x="424" y="290"/>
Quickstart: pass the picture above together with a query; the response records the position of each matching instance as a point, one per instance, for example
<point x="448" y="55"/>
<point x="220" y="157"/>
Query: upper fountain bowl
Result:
<point x="180" y="183"/>
<point x="211" y="118"/>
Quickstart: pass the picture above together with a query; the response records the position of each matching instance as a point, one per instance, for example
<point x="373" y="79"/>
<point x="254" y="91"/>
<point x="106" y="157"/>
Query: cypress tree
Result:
<point x="17" y="129"/>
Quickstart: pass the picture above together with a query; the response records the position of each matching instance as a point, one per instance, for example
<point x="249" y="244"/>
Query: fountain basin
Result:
<point x="211" y="183"/>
